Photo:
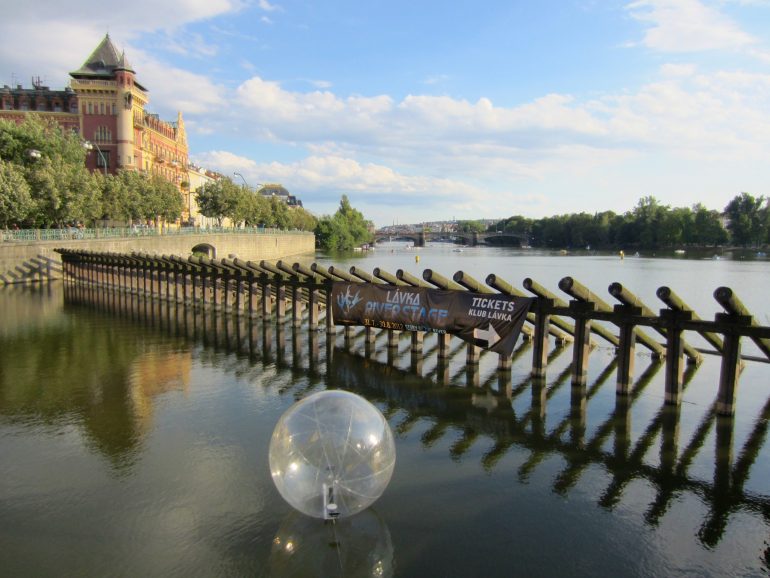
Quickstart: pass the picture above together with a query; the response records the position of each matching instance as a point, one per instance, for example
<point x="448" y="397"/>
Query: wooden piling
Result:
<point x="625" y="296"/>
<point x="667" y="295"/>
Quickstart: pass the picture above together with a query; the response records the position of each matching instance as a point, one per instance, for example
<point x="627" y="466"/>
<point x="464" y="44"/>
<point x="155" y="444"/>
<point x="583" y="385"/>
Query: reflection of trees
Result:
<point x="79" y="369"/>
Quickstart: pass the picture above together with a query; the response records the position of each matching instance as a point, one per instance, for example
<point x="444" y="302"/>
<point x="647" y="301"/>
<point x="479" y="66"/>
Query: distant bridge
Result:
<point x="419" y="238"/>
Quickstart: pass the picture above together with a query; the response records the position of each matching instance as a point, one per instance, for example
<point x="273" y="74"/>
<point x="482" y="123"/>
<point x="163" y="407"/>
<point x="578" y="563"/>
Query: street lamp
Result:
<point x="244" y="180"/>
<point x="34" y="154"/>
<point x="89" y="146"/>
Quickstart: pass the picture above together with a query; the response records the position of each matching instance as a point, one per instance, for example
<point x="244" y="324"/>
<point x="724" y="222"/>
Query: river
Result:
<point x="136" y="443"/>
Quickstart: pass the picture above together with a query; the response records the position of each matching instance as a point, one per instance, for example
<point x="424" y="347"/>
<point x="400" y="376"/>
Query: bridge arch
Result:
<point x="207" y="249"/>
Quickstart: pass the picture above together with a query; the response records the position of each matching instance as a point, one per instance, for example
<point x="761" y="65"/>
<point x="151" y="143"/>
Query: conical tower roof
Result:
<point x="123" y="63"/>
<point x="103" y="61"/>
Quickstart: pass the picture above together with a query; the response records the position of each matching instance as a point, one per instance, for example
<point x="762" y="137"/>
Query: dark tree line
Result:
<point x="745" y="221"/>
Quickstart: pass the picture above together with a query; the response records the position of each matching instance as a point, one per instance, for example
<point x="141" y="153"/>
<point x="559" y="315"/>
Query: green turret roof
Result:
<point x="103" y="62"/>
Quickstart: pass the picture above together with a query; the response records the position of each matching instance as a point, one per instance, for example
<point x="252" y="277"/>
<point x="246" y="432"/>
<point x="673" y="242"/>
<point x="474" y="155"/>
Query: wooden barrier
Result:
<point x="275" y="290"/>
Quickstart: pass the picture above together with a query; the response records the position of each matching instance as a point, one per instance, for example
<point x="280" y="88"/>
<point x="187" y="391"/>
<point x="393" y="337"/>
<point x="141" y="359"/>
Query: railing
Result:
<point x="73" y="233"/>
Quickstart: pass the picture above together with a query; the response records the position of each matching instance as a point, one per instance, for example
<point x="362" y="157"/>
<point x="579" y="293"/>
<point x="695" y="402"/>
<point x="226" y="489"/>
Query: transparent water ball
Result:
<point x="332" y="454"/>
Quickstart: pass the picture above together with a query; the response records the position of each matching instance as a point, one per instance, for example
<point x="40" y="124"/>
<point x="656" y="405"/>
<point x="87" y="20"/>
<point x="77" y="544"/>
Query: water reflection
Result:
<point x="439" y="403"/>
<point x="356" y="546"/>
<point x="472" y="412"/>
<point x="56" y="370"/>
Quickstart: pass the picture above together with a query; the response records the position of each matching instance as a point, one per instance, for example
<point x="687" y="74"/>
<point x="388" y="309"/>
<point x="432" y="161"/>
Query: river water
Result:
<point x="134" y="441"/>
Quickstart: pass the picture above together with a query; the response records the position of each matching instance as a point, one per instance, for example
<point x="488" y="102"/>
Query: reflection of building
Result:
<point x="154" y="375"/>
<point x="105" y="103"/>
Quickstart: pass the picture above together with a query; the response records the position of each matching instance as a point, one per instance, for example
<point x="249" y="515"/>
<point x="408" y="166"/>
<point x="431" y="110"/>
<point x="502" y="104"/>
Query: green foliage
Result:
<point x="470" y="226"/>
<point x="15" y="199"/>
<point x="649" y="225"/>
<point x="345" y="230"/>
<point x="52" y="187"/>
<point x="747" y="219"/>
<point x="223" y="199"/>
<point x="302" y="220"/>
<point x="42" y="135"/>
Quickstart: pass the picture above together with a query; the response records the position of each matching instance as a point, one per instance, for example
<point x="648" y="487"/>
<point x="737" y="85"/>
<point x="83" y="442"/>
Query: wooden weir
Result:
<point x="299" y="293"/>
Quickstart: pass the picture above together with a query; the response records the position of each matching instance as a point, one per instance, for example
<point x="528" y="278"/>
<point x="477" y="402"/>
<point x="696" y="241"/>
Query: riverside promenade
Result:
<point x="28" y="256"/>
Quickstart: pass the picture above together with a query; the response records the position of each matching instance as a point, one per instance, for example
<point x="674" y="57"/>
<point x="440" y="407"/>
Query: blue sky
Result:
<point x="425" y="110"/>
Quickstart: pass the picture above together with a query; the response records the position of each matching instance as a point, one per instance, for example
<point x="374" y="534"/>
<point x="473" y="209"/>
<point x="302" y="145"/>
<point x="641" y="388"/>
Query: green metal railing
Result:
<point x="72" y="233"/>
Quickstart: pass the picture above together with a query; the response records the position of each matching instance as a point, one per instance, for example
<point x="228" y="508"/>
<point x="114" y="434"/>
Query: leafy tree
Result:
<point x="470" y="226"/>
<point x="161" y="199"/>
<point x="15" y="199"/>
<point x="345" y="230"/>
<point x="43" y="135"/>
<point x="218" y="199"/>
<point x="707" y="227"/>
<point x="52" y="158"/>
<point x="746" y="219"/>
<point x="63" y="192"/>
<point x="279" y="213"/>
<point x="302" y="219"/>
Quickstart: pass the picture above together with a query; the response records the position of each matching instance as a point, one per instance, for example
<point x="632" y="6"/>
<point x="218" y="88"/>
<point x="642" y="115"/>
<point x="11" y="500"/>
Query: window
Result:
<point x="103" y="159"/>
<point x="102" y="134"/>
<point x="90" y="108"/>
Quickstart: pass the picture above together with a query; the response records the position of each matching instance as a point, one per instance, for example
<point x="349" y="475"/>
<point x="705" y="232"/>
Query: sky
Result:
<point x="424" y="110"/>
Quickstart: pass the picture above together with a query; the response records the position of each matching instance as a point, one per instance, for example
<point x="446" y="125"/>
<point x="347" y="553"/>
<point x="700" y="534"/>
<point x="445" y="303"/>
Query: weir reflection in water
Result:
<point x="698" y="483"/>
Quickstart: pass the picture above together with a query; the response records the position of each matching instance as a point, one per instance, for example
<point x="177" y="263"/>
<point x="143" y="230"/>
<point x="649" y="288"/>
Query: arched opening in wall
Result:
<point x="204" y="249"/>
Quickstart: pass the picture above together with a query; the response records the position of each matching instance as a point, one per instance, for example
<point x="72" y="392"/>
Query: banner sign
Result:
<point x="491" y="321"/>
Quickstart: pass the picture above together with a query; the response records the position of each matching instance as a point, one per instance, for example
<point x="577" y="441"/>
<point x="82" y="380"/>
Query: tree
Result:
<point x="218" y="199"/>
<point x="161" y="199"/>
<point x="53" y="161"/>
<point x="39" y="134"/>
<point x="279" y="213"/>
<point x="345" y="230"/>
<point x="15" y="199"/>
<point x="302" y="219"/>
<point x="707" y="227"/>
<point x="470" y="226"/>
<point x="746" y="220"/>
<point x="63" y="192"/>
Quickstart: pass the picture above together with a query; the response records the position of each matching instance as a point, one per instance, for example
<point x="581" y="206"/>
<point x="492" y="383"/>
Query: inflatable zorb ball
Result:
<point x="332" y="454"/>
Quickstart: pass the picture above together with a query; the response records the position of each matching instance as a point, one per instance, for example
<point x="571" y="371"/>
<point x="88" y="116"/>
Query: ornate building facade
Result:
<point x="105" y="104"/>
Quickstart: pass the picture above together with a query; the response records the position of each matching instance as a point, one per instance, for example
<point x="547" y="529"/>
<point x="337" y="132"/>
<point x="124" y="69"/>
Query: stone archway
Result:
<point x="206" y="249"/>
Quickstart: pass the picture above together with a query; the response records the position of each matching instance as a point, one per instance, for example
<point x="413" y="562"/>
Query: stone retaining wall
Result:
<point x="22" y="262"/>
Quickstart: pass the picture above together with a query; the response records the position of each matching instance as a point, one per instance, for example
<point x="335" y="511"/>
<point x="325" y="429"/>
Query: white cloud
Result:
<point x="687" y="26"/>
<point x="63" y="34"/>
<point x="267" y="6"/>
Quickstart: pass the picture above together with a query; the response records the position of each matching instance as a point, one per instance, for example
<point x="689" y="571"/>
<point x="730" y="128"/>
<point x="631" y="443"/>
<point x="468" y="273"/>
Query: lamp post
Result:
<point x="244" y="180"/>
<point x="89" y="146"/>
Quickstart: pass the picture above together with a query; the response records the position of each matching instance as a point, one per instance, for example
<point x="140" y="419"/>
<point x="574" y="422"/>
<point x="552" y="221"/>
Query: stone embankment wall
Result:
<point x="22" y="262"/>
